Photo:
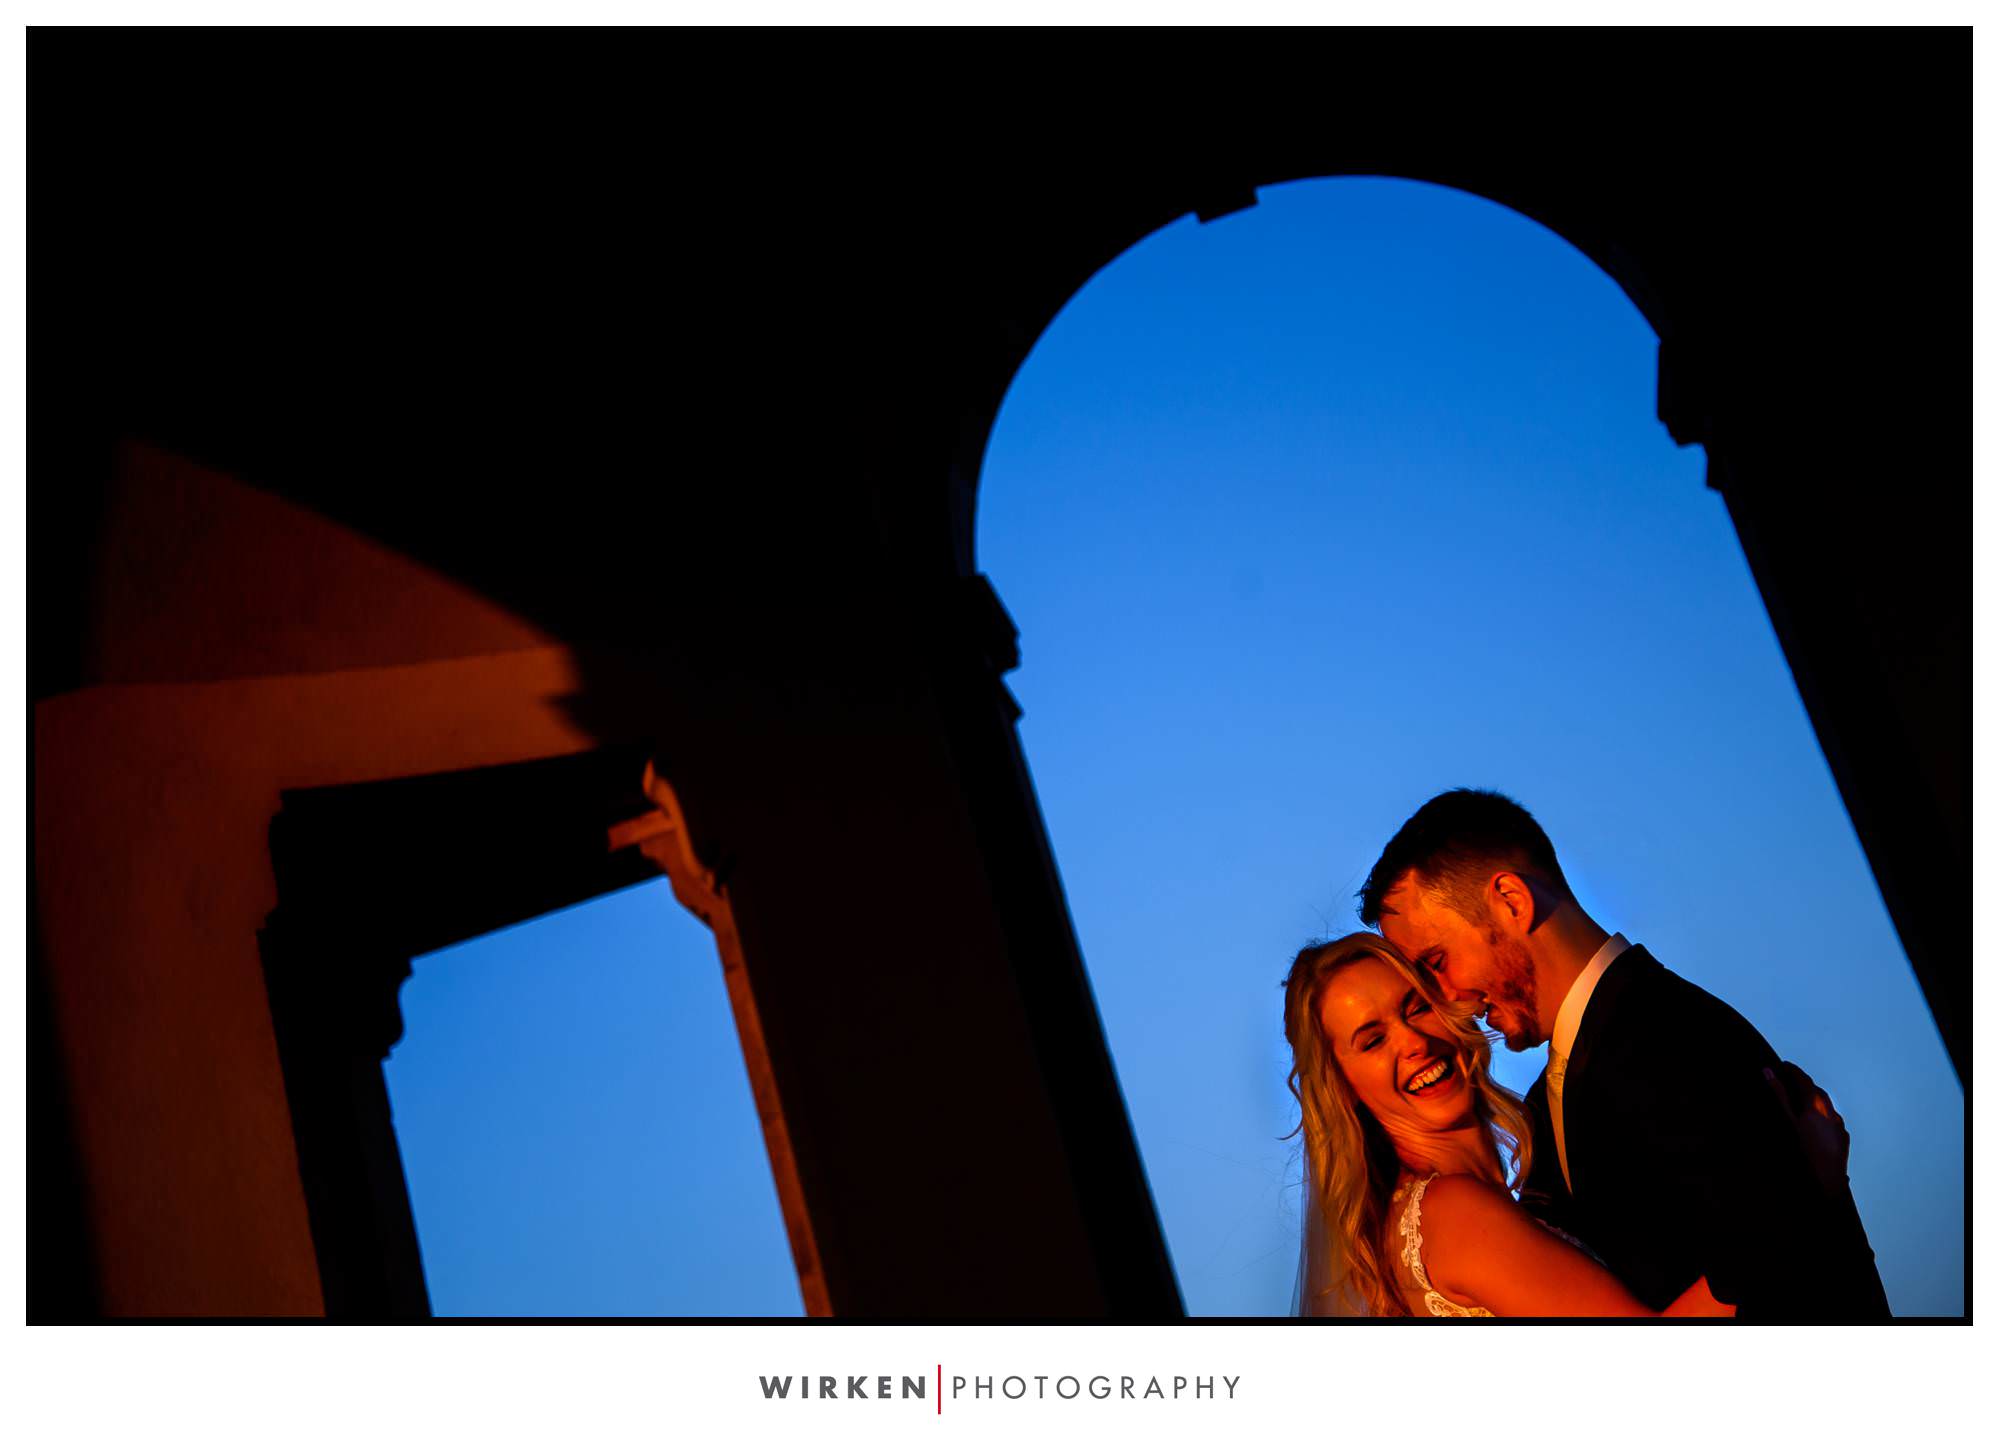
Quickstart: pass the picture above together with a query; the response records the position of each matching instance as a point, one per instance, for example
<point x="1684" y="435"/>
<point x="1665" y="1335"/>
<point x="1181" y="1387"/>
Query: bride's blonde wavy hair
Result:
<point x="1351" y="1164"/>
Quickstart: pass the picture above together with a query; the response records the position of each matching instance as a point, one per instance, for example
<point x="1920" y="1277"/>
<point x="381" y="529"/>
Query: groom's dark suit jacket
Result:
<point x="1684" y="1163"/>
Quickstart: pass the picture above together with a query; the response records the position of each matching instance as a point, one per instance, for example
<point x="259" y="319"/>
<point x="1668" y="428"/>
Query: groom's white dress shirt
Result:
<point x="1569" y="1019"/>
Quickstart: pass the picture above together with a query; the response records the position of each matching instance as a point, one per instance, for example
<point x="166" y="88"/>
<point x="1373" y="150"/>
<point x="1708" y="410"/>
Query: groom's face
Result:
<point x="1474" y="962"/>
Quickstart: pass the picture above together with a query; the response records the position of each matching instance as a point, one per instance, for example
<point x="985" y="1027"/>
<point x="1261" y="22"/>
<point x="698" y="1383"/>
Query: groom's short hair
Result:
<point x="1456" y="843"/>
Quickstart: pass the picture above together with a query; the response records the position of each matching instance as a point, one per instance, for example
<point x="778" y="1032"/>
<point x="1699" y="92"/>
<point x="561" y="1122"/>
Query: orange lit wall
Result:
<point x="154" y="790"/>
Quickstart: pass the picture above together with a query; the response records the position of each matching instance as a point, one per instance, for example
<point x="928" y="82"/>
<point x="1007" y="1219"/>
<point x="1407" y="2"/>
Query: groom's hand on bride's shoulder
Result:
<point x="1822" y="1132"/>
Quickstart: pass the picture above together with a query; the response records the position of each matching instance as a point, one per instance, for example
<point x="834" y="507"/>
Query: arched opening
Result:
<point x="1315" y="510"/>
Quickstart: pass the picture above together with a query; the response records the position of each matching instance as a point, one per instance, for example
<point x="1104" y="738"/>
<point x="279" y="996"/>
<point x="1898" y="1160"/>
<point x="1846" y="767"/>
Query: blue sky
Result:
<point x="1304" y="515"/>
<point x="577" y="1127"/>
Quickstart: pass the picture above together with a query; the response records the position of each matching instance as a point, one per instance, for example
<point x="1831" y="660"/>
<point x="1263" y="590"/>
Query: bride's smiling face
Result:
<point x="1398" y="1056"/>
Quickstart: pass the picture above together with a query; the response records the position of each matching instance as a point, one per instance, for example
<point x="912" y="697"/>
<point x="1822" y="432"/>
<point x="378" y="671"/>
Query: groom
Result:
<point x="1659" y="1139"/>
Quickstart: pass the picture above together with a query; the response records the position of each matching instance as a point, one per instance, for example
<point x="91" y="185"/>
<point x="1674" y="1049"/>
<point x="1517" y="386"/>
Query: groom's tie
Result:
<point x="1558" y="1066"/>
<point x="1562" y="1039"/>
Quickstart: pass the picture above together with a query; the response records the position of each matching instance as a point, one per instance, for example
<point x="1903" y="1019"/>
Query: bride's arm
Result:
<point x="1479" y="1246"/>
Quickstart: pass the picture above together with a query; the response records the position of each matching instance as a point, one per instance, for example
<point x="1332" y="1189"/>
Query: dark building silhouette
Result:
<point x="428" y="435"/>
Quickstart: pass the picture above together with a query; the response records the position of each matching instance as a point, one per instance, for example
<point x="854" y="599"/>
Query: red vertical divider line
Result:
<point x="940" y="1389"/>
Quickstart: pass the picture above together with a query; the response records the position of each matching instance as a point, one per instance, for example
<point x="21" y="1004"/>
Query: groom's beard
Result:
<point x="1510" y="994"/>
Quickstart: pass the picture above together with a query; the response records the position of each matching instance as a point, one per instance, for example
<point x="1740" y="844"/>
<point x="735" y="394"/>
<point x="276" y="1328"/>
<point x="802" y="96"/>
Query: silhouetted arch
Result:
<point x="1810" y="579"/>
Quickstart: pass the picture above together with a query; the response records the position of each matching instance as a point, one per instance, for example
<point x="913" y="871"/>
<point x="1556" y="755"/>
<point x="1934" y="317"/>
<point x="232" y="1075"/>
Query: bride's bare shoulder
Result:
<point x="1464" y="1219"/>
<point x="1449" y="1199"/>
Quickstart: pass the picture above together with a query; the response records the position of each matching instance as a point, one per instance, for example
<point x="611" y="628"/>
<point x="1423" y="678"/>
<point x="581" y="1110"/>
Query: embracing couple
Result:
<point x="1667" y="1162"/>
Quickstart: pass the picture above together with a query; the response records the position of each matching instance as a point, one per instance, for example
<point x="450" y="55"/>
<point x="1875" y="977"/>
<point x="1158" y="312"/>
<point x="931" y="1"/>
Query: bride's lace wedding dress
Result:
<point x="1410" y="1226"/>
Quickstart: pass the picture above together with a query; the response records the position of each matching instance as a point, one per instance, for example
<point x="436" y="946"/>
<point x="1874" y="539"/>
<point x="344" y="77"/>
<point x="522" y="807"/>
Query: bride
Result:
<point x="1407" y="1210"/>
